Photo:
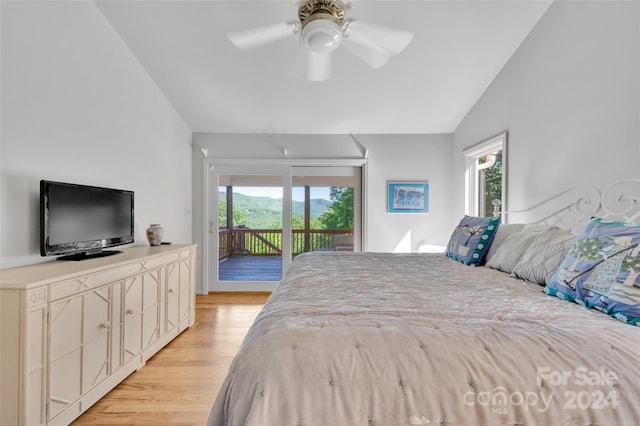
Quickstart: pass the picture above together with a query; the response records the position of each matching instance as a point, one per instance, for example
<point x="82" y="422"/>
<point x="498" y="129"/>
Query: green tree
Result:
<point x="239" y="218"/>
<point x="339" y="215"/>
<point x="492" y="178"/>
<point x="297" y="222"/>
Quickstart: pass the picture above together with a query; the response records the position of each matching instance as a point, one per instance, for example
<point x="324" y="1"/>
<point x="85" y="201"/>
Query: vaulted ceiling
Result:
<point x="457" y="50"/>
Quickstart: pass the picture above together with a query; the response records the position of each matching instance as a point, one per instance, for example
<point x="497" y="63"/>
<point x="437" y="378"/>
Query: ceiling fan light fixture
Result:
<point x="322" y="35"/>
<point x="322" y="28"/>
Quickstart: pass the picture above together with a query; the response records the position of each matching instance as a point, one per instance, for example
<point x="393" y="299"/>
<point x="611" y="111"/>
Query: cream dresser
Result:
<point x="71" y="331"/>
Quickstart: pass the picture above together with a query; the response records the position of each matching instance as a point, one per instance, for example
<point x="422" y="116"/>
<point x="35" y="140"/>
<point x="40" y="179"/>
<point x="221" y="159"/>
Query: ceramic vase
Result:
<point x="154" y="234"/>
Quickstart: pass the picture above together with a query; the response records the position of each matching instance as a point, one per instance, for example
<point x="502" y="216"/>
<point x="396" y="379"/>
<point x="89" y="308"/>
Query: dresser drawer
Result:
<point x="90" y="281"/>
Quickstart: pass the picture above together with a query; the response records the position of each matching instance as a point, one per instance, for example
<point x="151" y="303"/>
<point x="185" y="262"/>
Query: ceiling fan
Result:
<point x="323" y="28"/>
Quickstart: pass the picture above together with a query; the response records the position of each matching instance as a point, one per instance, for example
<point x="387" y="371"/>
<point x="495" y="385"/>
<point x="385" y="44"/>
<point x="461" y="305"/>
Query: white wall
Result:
<point x="78" y="107"/>
<point x="408" y="158"/>
<point x="570" y="99"/>
<point x="390" y="158"/>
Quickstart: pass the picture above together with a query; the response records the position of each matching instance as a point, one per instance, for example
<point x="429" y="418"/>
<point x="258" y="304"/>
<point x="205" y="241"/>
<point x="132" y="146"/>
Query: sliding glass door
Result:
<point x="250" y="228"/>
<point x="249" y="209"/>
<point x="264" y="216"/>
<point x="325" y="209"/>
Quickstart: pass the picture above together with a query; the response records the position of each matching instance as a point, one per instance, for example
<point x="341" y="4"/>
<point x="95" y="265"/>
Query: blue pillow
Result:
<point x="472" y="238"/>
<point x="602" y="270"/>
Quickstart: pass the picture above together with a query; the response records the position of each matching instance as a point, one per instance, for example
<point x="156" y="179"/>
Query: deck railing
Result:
<point x="268" y="242"/>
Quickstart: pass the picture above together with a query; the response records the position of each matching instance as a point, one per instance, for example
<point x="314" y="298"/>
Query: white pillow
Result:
<point x="544" y="255"/>
<point x="514" y="246"/>
<point x="504" y="230"/>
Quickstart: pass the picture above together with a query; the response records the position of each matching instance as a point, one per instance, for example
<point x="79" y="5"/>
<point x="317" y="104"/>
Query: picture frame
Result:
<point x="408" y="197"/>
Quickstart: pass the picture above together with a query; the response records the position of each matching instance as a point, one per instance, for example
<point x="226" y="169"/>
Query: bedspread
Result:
<point x="417" y="339"/>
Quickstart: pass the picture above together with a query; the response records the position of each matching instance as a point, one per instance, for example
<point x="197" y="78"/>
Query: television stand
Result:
<point x="72" y="331"/>
<point x="89" y="255"/>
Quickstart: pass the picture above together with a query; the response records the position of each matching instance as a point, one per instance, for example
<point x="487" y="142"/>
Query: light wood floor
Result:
<point x="178" y="385"/>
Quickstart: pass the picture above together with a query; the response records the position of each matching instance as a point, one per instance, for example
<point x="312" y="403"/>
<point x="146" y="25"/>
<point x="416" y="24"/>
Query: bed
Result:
<point x="422" y="339"/>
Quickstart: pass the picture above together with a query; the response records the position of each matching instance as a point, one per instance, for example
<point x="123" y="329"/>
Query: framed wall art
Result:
<point x="408" y="197"/>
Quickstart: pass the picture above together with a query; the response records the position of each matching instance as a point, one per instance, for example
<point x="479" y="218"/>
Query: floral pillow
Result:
<point x="472" y="238"/>
<point x="602" y="270"/>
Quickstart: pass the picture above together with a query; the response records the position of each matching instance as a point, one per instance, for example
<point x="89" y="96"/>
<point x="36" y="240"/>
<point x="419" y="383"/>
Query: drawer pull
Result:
<point x="129" y="311"/>
<point x="170" y="290"/>
<point x="105" y="325"/>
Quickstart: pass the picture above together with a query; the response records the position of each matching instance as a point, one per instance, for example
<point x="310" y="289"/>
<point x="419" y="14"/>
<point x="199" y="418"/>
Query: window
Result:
<point x="486" y="176"/>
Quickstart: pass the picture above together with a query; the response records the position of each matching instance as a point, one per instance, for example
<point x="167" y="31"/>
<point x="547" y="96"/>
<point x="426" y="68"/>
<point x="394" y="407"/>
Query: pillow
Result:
<point x="543" y="256"/>
<point x="504" y="230"/>
<point x="602" y="270"/>
<point x="472" y="238"/>
<point x="512" y="248"/>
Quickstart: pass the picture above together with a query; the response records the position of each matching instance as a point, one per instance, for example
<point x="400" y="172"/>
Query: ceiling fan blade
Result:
<point x="366" y="50"/>
<point x="391" y="40"/>
<point x="256" y="37"/>
<point x="319" y="66"/>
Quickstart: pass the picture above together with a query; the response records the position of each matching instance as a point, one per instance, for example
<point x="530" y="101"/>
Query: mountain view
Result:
<point x="264" y="212"/>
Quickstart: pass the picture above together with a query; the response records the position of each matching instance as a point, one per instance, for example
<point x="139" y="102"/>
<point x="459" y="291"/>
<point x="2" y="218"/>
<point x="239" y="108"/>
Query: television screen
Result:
<point x="81" y="219"/>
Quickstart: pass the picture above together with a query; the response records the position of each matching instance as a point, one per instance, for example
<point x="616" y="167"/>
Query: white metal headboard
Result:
<point x="621" y="201"/>
<point x="573" y="208"/>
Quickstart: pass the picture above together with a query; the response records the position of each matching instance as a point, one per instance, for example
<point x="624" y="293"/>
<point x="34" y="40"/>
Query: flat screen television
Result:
<point x="80" y="221"/>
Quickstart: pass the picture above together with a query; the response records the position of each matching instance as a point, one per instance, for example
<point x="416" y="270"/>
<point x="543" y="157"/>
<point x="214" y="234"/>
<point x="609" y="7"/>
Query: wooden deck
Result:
<point x="250" y="268"/>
